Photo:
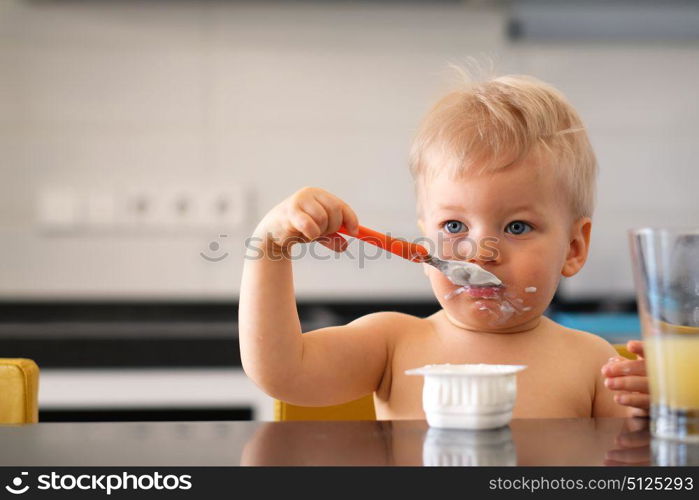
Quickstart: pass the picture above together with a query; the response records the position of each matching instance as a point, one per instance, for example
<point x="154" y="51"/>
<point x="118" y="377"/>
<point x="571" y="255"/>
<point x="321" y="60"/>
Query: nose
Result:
<point x="481" y="250"/>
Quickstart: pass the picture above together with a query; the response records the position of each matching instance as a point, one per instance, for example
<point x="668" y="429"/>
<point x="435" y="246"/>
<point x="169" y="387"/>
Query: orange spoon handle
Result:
<point x="411" y="251"/>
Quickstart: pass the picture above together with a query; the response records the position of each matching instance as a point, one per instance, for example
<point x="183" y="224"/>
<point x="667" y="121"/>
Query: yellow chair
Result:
<point x="361" y="409"/>
<point x="19" y="391"/>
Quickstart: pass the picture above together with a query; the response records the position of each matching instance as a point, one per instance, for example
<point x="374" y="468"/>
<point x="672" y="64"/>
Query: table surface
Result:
<point x="530" y="442"/>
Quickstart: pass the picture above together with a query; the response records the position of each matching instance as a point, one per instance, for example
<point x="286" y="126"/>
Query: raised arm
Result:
<point x="324" y="367"/>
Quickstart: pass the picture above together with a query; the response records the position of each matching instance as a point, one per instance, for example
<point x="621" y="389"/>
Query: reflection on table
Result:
<point x="526" y="442"/>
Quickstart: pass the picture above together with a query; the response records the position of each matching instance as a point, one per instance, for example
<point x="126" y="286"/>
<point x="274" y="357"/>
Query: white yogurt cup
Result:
<point x="468" y="396"/>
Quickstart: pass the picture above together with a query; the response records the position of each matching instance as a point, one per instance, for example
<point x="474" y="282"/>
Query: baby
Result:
<point x="505" y="178"/>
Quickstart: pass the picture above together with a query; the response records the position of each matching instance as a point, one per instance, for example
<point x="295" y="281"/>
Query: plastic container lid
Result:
<point x="467" y="370"/>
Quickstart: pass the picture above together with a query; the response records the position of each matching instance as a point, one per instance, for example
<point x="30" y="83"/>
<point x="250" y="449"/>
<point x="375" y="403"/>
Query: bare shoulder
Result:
<point x="585" y="344"/>
<point x="388" y="321"/>
<point x="390" y="326"/>
<point x="591" y="352"/>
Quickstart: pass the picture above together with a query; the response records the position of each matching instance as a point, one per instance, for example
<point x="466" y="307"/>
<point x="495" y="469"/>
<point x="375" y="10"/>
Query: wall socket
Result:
<point x="144" y="209"/>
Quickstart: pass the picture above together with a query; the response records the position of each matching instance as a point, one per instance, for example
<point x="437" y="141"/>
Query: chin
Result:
<point x="487" y="322"/>
<point x="487" y="309"/>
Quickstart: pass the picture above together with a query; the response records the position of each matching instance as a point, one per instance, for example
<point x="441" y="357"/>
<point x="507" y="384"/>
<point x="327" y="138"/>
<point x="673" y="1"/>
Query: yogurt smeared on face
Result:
<point x="498" y="302"/>
<point x="480" y="292"/>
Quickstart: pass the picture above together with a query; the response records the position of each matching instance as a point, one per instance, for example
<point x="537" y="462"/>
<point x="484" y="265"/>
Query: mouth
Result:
<point x="483" y="292"/>
<point x="488" y="292"/>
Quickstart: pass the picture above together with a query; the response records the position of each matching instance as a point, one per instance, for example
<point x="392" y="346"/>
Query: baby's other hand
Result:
<point x="628" y="379"/>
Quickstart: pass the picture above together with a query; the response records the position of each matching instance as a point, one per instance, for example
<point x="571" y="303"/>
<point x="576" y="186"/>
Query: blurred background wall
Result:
<point x="141" y="141"/>
<point x="134" y="134"/>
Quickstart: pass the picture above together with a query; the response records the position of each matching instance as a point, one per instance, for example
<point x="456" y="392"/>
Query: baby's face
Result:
<point x="513" y="223"/>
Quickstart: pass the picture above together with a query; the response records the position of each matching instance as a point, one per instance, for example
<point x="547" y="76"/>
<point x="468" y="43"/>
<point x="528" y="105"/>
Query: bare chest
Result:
<point x="554" y="385"/>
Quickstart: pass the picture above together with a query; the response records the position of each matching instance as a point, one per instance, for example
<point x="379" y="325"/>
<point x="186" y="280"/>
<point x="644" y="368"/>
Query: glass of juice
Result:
<point x="666" y="275"/>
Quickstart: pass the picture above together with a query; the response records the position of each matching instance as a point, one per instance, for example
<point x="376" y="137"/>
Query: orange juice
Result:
<point x="673" y="370"/>
<point x="673" y="374"/>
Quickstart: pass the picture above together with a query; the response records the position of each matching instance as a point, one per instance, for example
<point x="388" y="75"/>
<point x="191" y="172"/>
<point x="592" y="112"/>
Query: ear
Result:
<point x="578" y="248"/>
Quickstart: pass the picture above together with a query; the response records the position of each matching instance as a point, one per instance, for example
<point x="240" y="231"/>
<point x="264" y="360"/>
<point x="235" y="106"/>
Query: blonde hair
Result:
<point x="487" y="126"/>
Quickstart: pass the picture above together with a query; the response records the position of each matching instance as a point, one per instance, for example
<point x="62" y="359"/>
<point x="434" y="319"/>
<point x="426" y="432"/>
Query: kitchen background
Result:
<point x="140" y="141"/>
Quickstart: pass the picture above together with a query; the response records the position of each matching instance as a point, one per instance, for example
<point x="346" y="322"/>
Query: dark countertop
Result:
<point x="104" y="334"/>
<point x="527" y="442"/>
<point x="150" y="335"/>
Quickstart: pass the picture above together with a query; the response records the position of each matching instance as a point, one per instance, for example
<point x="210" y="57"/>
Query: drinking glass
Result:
<point x="666" y="275"/>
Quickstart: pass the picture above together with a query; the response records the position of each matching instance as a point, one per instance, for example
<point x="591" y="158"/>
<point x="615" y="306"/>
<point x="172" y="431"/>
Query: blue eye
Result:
<point x="454" y="226"/>
<point x="518" y="227"/>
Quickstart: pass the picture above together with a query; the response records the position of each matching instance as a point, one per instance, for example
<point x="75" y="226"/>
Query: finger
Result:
<point x="317" y="211"/>
<point x="630" y="383"/>
<point x="349" y="218"/>
<point x="331" y="210"/>
<point x="636" y="400"/>
<point x="611" y="361"/>
<point x="334" y="218"/>
<point x="623" y="368"/>
<point x="334" y="242"/>
<point x="639" y="413"/>
<point x="305" y="224"/>
<point x="636" y="347"/>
